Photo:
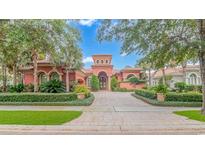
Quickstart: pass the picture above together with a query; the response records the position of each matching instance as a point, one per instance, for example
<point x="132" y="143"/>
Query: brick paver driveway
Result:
<point x="114" y="113"/>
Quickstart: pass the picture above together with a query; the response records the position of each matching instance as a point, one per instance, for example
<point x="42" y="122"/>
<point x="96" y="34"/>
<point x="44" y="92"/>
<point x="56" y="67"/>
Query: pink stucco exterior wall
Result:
<point x="73" y="76"/>
<point x="107" y="69"/>
<point x="28" y="78"/>
<point x="81" y="76"/>
<point x="128" y="85"/>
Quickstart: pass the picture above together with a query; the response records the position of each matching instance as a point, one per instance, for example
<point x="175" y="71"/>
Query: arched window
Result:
<point x="54" y="76"/>
<point x="42" y="78"/>
<point x="102" y="61"/>
<point x="97" y="61"/>
<point x="106" y="61"/>
<point x="130" y="75"/>
<point x="193" y="79"/>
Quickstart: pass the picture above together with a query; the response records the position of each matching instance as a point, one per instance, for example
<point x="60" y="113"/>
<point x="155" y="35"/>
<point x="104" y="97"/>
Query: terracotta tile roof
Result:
<point x="168" y="71"/>
<point x="174" y="71"/>
<point x="87" y="70"/>
<point x="130" y="69"/>
<point x="114" y="71"/>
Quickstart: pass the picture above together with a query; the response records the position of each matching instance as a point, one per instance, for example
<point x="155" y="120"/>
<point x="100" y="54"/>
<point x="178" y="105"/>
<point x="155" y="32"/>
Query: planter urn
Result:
<point x="160" y="97"/>
<point x="81" y="96"/>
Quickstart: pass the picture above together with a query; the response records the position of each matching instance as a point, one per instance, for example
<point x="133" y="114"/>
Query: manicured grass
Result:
<point x="192" y="114"/>
<point x="37" y="117"/>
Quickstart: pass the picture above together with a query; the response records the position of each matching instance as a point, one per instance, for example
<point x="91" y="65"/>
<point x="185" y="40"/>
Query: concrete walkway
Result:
<point x="113" y="113"/>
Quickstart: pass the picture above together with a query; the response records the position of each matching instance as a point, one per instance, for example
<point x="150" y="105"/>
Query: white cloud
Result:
<point x="87" y="22"/>
<point x="87" y="60"/>
<point x="123" y="54"/>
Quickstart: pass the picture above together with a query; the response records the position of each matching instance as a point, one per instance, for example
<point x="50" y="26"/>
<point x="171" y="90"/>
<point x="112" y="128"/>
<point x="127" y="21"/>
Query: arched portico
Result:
<point x="103" y="79"/>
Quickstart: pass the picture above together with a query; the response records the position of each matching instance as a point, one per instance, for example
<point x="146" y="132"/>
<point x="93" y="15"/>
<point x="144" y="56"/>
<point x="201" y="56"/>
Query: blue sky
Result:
<point x="91" y="46"/>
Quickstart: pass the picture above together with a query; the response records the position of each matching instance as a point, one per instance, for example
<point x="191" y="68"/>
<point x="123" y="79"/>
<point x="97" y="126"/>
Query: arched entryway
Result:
<point x="103" y="79"/>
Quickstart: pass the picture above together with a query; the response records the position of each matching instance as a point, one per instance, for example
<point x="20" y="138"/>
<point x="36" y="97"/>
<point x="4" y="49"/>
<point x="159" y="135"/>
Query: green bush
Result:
<point x="161" y="88"/>
<point x="37" y="97"/>
<point x="152" y="88"/>
<point x="123" y="90"/>
<point x="17" y="88"/>
<point x="82" y="89"/>
<point x="146" y="93"/>
<point x="180" y="86"/>
<point x="168" y="103"/>
<point x="76" y="102"/>
<point x="52" y="86"/>
<point x="135" y="80"/>
<point x="184" y="97"/>
<point x="196" y="88"/>
<point x="95" y="84"/>
<point x="114" y="83"/>
<point x="29" y="88"/>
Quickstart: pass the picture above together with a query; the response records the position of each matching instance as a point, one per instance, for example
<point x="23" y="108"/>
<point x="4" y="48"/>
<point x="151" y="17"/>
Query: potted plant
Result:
<point x="161" y="92"/>
<point x="82" y="91"/>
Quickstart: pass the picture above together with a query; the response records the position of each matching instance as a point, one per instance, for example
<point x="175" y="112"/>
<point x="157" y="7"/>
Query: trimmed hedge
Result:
<point x="168" y="103"/>
<point x="146" y="93"/>
<point x="123" y="90"/>
<point x="77" y="102"/>
<point x="184" y="97"/>
<point x="37" y="97"/>
<point x="171" y="96"/>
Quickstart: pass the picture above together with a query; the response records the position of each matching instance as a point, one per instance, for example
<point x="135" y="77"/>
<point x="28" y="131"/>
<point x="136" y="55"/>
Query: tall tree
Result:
<point x="41" y="37"/>
<point x="69" y="54"/>
<point x="3" y="49"/>
<point x="166" y="40"/>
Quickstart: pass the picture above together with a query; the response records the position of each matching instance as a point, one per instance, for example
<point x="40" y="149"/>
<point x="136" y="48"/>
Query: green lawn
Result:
<point x="192" y="114"/>
<point x="37" y="117"/>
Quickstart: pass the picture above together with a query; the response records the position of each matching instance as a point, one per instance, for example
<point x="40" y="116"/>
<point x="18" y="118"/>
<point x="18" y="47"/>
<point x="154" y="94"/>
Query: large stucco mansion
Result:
<point x="191" y="75"/>
<point x="102" y="67"/>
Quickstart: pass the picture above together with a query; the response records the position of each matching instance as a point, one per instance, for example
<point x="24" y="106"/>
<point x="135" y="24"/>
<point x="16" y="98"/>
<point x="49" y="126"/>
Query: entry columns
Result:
<point x="109" y="83"/>
<point x="67" y="81"/>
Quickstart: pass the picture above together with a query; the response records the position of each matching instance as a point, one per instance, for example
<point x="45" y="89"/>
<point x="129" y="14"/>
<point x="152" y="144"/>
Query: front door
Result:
<point x="103" y="83"/>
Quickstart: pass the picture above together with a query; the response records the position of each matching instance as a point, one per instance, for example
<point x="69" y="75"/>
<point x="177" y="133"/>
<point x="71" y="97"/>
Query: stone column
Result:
<point x="67" y="81"/>
<point x="60" y="77"/>
<point x="109" y="83"/>
<point x="47" y="77"/>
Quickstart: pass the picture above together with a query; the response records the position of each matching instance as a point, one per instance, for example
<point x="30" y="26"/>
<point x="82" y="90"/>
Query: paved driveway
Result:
<point x="114" y="113"/>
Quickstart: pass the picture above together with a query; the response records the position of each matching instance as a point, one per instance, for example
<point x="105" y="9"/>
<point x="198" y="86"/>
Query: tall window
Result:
<point x="193" y="79"/>
<point x="54" y="76"/>
<point x="101" y="61"/>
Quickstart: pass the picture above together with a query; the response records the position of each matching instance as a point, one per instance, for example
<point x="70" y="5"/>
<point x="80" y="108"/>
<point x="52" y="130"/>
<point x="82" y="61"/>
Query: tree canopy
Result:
<point x="160" y="41"/>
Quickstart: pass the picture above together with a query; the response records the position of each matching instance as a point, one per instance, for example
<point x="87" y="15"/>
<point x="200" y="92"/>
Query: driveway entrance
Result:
<point x="114" y="113"/>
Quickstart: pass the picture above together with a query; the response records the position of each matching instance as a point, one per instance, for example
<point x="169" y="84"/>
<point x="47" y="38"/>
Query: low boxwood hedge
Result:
<point x="168" y="103"/>
<point x="184" y="97"/>
<point x="37" y="97"/>
<point x="77" y="102"/>
<point x="123" y="90"/>
<point x="146" y="93"/>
